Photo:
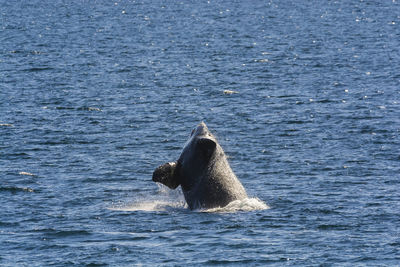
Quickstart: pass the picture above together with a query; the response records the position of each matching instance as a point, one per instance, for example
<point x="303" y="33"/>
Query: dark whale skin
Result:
<point x="203" y="172"/>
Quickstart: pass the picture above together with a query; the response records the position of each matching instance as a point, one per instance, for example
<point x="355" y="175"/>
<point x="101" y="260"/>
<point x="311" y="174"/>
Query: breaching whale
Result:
<point x="203" y="172"/>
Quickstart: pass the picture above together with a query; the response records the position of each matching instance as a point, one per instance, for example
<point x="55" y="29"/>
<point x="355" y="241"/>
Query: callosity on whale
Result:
<point x="203" y="172"/>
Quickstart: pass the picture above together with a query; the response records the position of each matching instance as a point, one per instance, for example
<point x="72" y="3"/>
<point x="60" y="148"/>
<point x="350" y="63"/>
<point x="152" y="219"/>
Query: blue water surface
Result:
<point x="304" y="96"/>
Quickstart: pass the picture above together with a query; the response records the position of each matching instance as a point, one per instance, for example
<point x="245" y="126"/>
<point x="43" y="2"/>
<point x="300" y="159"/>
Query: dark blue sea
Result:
<point x="304" y="97"/>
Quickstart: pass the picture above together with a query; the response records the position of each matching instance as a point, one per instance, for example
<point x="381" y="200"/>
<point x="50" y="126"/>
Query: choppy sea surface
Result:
<point x="304" y="96"/>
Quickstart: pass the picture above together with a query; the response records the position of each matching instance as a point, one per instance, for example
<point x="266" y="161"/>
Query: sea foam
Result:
<point x="167" y="199"/>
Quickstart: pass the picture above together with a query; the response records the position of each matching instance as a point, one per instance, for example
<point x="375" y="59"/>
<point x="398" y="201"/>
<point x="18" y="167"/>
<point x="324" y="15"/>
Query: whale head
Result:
<point x="196" y="155"/>
<point x="193" y="161"/>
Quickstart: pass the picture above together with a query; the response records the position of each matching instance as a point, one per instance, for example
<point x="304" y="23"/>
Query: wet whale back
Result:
<point x="218" y="186"/>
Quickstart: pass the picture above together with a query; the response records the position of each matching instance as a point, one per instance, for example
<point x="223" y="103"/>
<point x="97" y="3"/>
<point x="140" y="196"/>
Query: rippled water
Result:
<point x="304" y="96"/>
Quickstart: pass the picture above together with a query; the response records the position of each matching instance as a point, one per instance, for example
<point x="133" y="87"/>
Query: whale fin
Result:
<point x="165" y="174"/>
<point x="208" y="146"/>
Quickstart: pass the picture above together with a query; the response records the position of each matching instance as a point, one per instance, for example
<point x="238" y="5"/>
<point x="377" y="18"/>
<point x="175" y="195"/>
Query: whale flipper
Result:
<point x="165" y="174"/>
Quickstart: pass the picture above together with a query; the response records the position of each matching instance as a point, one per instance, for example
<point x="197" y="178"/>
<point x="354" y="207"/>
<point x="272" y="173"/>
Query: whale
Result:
<point x="203" y="172"/>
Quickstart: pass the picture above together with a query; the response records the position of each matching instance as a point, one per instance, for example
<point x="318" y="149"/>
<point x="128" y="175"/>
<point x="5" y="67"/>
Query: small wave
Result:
<point x="56" y="233"/>
<point x="230" y="92"/>
<point x="15" y="190"/>
<point x="37" y="69"/>
<point x="247" y="204"/>
<point x="26" y="173"/>
<point x="6" y="125"/>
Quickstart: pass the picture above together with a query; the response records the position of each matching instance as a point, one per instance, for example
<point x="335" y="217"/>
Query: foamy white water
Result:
<point x="247" y="204"/>
<point x="173" y="199"/>
<point x="164" y="199"/>
<point x="155" y="205"/>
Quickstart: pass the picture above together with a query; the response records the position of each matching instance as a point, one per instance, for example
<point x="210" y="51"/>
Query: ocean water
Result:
<point x="304" y="96"/>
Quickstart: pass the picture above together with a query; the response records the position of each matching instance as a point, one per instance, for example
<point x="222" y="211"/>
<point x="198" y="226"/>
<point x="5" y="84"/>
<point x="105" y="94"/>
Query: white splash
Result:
<point x="26" y="173"/>
<point x="247" y="204"/>
<point x="157" y="205"/>
<point x="165" y="199"/>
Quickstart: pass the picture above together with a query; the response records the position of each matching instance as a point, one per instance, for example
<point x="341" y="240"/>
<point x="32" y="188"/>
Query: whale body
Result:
<point x="203" y="172"/>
